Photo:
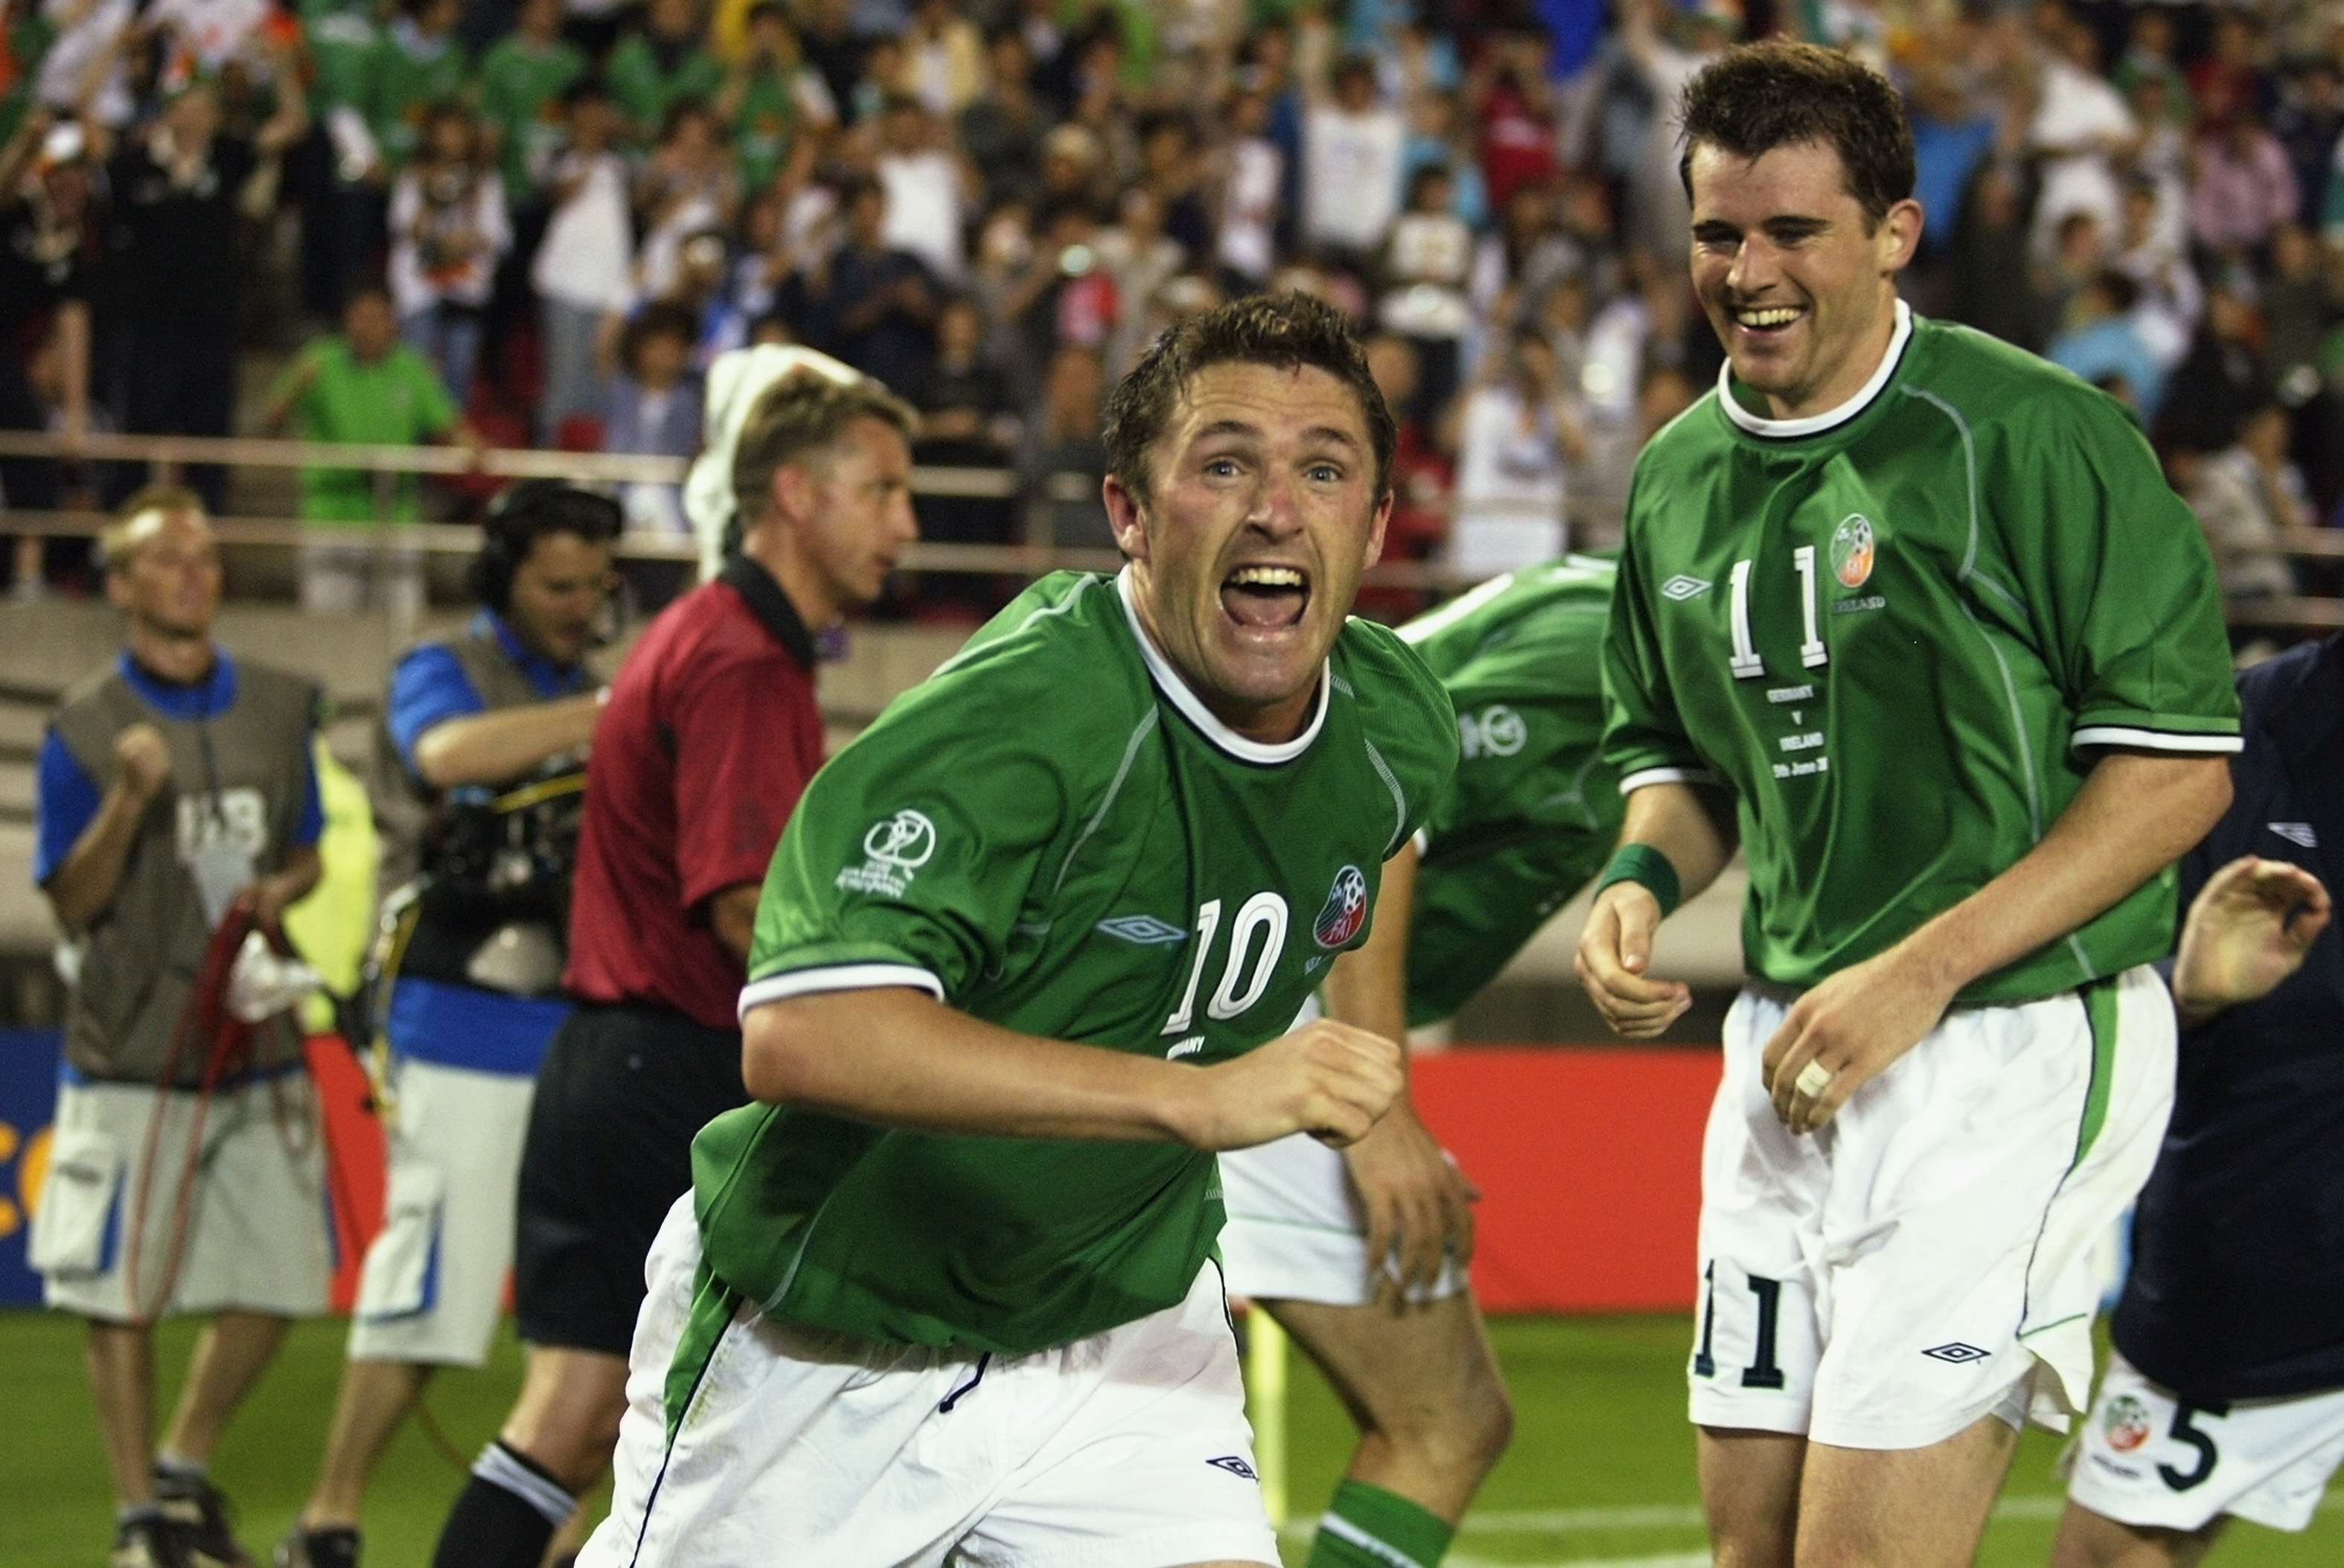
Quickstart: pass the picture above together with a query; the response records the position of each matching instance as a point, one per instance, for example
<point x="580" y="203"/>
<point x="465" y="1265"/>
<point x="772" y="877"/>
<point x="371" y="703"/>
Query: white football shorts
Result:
<point x="1125" y="1450"/>
<point x="1925" y="1260"/>
<point x="250" y="1225"/>
<point x="2150" y="1459"/>
<point x="1294" y="1231"/>
<point x="434" y="1281"/>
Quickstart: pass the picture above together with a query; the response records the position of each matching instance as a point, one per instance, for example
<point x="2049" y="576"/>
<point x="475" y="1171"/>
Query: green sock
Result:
<point x="1367" y="1527"/>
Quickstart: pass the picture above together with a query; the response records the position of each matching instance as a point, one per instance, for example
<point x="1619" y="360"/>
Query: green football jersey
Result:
<point x="646" y="90"/>
<point x="521" y="94"/>
<point x="408" y="78"/>
<point x="1534" y="810"/>
<point x="1053" y="835"/>
<point x="762" y="125"/>
<point x="1900" y="633"/>
<point x="344" y="49"/>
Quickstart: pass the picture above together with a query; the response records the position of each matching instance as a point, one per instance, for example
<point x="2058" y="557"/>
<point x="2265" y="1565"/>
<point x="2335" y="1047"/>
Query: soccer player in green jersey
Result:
<point x="1031" y="950"/>
<point x="1360" y="1254"/>
<point x="1913" y="618"/>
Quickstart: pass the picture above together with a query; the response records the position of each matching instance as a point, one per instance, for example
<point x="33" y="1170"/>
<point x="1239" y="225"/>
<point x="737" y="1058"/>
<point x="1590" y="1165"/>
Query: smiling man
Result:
<point x="1912" y="617"/>
<point x="1028" y="954"/>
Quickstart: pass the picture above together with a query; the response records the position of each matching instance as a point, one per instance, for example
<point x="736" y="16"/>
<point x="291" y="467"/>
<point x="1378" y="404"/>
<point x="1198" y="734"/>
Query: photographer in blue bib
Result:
<point x="479" y="780"/>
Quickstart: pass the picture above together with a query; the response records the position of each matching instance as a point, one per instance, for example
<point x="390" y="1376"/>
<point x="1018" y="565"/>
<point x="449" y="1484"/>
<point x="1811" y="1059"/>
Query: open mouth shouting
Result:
<point x="1261" y="597"/>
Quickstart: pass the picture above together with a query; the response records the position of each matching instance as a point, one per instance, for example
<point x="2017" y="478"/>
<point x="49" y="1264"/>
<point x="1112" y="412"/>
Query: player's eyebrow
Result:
<point x="1320" y="434"/>
<point x="1788" y="226"/>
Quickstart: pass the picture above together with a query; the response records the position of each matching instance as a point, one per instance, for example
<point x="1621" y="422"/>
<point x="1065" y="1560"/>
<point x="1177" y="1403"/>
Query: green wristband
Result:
<point x="1642" y="864"/>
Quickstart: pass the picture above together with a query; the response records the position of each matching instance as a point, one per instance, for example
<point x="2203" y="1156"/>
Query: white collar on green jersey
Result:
<point x="1816" y="424"/>
<point x="1192" y="707"/>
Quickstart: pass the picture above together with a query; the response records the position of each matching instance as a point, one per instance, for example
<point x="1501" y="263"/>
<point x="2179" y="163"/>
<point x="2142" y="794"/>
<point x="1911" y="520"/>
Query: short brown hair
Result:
<point x="796" y="417"/>
<point x="1755" y="97"/>
<point x="114" y="550"/>
<point x="1285" y="331"/>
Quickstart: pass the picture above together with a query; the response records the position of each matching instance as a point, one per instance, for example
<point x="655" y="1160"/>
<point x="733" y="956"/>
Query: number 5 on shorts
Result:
<point x="2183" y="1432"/>
<point x="1761" y="1372"/>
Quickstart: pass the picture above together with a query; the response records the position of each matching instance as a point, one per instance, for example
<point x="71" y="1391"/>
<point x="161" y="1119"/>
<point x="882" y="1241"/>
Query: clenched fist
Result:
<point x="142" y="761"/>
<point x="1326" y="1079"/>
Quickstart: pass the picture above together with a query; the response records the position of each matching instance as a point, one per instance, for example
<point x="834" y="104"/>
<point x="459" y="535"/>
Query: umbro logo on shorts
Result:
<point x="1144" y="929"/>
<point x="1682" y="587"/>
<point x="1233" y="1465"/>
<point x="1956" y="1352"/>
<point x="2296" y="833"/>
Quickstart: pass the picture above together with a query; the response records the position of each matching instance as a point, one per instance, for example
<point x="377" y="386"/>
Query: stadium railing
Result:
<point x="165" y="455"/>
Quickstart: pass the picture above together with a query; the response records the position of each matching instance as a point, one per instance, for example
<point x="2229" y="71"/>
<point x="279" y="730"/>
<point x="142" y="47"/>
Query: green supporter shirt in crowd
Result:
<point x="762" y="127"/>
<point x="1534" y="811"/>
<point x="1053" y="835"/>
<point x="28" y="41"/>
<point x="645" y="91"/>
<point x="396" y="401"/>
<point x="408" y="78"/>
<point x="522" y="85"/>
<point x="345" y="51"/>
<point x="1900" y="633"/>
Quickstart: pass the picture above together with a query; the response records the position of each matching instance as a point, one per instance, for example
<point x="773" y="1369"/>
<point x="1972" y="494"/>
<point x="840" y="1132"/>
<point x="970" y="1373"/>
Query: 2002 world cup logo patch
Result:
<point x="1345" y="911"/>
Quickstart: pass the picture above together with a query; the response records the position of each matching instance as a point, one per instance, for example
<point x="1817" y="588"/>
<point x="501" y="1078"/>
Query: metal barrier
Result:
<point x="164" y="455"/>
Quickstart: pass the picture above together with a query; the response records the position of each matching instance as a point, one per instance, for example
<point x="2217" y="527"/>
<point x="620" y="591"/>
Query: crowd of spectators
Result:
<point x="537" y="221"/>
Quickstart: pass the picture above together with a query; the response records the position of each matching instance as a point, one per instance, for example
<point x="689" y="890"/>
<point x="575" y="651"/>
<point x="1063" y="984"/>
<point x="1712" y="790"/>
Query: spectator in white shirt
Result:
<point x="1352" y="148"/>
<point x="928" y="186"/>
<point x="1516" y="434"/>
<point x="448" y="228"/>
<point x="583" y="270"/>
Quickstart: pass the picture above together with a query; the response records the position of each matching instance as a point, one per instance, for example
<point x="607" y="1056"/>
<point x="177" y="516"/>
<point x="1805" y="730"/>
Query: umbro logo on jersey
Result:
<point x="1144" y="929"/>
<point x="1345" y="911"/>
<point x="1958" y="1354"/>
<point x="2296" y="833"/>
<point x="1682" y="587"/>
<point x="1233" y="1465"/>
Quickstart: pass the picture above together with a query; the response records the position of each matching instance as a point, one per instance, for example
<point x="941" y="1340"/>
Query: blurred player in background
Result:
<point x="1915" y="619"/>
<point x="174" y="786"/>
<point x="478" y="778"/>
<point x="2225" y="1396"/>
<point x="1362" y="1254"/>
<point x="710" y="735"/>
<point x="1028" y="953"/>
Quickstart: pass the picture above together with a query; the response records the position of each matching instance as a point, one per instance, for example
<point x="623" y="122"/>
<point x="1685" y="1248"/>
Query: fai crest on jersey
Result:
<point x="1852" y="550"/>
<point x="893" y="851"/>
<point x="2127" y="1424"/>
<point x="1346" y="910"/>
<point x="1681" y="587"/>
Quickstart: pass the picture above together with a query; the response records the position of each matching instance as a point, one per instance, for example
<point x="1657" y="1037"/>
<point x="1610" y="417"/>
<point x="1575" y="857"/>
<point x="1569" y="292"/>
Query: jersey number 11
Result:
<point x="1747" y="664"/>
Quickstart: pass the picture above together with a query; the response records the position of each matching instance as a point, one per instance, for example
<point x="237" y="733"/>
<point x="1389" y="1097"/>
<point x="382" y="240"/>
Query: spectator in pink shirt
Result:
<point x="2243" y="185"/>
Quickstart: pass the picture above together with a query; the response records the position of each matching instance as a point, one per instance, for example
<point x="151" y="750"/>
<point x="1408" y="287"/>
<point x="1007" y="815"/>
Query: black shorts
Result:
<point x="621" y="1093"/>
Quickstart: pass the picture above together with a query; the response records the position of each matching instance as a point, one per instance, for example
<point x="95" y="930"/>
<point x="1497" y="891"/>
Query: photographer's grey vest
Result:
<point x="506" y="932"/>
<point x="243" y="775"/>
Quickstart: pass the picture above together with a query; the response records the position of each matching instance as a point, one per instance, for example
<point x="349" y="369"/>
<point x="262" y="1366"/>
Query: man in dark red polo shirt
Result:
<point x="709" y="737"/>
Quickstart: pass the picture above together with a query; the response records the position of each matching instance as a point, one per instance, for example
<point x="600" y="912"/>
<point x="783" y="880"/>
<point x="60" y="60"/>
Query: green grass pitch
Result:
<point x="1601" y="1473"/>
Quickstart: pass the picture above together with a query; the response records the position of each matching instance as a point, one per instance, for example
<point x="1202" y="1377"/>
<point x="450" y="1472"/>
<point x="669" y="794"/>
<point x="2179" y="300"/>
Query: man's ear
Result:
<point x="117" y="588"/>
<point x="1900" y="235"/>
<point x="1376" y="527"/>
<point x="791" y="493"/>
<point x="1126" y="516"/>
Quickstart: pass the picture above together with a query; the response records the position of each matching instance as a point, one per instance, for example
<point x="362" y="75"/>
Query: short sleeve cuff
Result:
<point x="837" y="977"/>
<point x="1642" y="777"/>
<point x="2142" y="732"/>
